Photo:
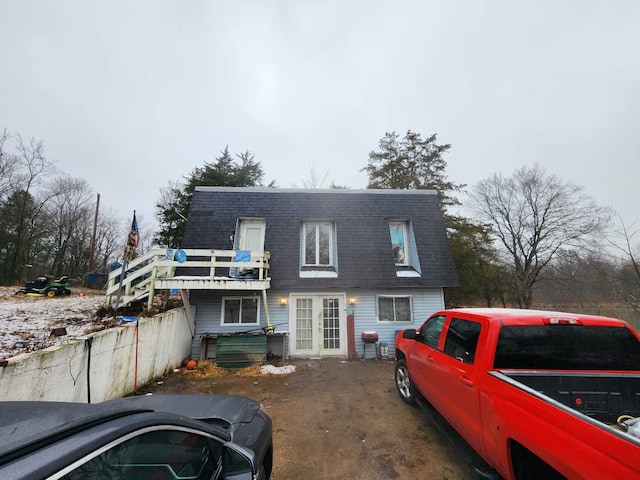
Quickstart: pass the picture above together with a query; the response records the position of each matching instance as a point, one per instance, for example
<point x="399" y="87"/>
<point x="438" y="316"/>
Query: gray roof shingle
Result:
<point x="361" y="219"/>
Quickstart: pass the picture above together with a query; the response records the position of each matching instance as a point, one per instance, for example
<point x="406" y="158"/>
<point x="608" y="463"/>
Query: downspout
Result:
<point x="266" y="311"/>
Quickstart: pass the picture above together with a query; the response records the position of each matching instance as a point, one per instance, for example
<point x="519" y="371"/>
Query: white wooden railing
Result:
<point x="207" y="269"/>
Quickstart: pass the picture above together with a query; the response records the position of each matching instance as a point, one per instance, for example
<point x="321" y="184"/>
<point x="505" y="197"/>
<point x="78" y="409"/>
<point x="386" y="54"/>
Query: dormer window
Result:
<point x="404" y="249"/>
<point x="318" y="249"/>
<point x="318" y="252"/>
<point x="399" y="242"/>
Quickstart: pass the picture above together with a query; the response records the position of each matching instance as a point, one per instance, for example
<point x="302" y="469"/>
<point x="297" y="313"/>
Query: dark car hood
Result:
<point x="230" y="409"/>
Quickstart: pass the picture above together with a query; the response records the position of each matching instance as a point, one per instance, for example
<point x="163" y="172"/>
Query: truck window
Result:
<point x="462" y="340"/>
<point x="432" y="330"/>
<point x="567" y="347"/>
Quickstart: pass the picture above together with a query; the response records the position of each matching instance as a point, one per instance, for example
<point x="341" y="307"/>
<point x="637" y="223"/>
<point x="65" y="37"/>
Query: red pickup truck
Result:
<point x="538" y="395"/>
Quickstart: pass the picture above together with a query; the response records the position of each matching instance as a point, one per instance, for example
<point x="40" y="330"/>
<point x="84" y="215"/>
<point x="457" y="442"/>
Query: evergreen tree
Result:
<point x="173" y="207"/>
<point x="412" y="163"/>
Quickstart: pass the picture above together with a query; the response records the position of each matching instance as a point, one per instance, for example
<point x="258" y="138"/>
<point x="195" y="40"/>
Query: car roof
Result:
<point x="26" y="423"/>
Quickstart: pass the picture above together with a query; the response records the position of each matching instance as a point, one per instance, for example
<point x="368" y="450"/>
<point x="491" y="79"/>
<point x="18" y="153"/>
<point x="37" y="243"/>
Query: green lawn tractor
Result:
<point x="46" y="286"/>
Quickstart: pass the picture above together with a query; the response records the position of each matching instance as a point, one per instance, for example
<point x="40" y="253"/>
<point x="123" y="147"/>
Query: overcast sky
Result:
<point x="129" y="95"/>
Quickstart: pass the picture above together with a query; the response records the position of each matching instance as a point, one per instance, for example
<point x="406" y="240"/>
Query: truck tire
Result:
<point x="403" y="383"/>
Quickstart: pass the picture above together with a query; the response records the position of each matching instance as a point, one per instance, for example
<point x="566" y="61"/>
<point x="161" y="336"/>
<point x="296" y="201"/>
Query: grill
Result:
<point x="369" y="338"/>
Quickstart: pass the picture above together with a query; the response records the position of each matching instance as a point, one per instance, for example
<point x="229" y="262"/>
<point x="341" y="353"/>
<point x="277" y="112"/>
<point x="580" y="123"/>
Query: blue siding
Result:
<point x="209" y="311"/>
<point x="423" y="304"/>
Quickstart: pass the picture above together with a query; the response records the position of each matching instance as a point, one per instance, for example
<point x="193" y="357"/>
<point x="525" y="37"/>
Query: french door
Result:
<point x="318" y="325"/>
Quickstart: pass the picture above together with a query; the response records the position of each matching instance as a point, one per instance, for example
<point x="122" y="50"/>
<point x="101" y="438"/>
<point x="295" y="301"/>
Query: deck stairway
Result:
<point x="199" y="269"/>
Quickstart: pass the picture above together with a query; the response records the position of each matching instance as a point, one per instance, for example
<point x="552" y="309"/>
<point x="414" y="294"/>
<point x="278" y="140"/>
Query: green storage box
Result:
<point x="239" y="351"/>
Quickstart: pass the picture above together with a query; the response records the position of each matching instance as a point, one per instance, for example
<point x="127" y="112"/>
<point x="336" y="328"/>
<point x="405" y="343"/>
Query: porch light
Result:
<point x="352" y="300"/>
<point x="283" y="301"/>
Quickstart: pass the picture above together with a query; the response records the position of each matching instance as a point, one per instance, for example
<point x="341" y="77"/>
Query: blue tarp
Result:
<point x="122" y="320"/>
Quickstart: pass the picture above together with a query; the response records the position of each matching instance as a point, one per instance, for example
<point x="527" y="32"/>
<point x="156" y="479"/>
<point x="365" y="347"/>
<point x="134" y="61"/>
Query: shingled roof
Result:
<point x="361" y="219"/>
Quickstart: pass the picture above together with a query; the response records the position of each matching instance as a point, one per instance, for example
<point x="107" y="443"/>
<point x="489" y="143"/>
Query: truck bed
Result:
<point x="603" y="397"/>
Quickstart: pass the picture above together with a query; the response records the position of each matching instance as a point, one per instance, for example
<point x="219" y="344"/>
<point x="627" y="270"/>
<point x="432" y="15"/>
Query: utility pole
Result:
<point x="93" y="236"/>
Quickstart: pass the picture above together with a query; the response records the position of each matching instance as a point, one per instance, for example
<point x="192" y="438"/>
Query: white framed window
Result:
<point x="317" y="245"/>
<point x="399" y="242"/>
<point x="240" y="311"/>
<point x="392" y="308"/>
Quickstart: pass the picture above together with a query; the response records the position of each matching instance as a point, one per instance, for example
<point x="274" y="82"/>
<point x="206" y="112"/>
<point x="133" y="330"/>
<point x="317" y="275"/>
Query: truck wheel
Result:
<point x="403" y="383"/>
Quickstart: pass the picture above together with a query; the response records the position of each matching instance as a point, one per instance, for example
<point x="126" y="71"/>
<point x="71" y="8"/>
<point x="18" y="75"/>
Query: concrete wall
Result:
<point x="102" y="365"/>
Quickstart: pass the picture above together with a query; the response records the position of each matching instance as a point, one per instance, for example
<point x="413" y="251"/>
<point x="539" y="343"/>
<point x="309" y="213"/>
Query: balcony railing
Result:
<point x="196" y="269"/>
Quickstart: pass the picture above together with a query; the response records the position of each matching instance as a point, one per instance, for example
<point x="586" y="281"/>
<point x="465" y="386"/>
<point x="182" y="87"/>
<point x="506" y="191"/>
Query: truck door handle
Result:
<point x="466" y="381"/>
<point x="429" y="358"/>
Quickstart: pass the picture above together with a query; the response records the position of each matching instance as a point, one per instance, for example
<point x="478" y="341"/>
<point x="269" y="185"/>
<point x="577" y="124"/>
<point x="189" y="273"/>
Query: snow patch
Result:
<point x="278" y="370"/>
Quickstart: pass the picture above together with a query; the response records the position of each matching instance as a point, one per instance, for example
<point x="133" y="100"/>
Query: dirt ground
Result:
<point x="334" y="419"/>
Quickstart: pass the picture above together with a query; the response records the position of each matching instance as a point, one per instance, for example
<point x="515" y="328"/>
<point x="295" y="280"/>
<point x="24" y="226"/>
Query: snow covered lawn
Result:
<point x="26" y="323"/>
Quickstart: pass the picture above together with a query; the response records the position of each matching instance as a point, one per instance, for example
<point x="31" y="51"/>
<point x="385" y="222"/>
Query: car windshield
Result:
<point x="567" y="347"/>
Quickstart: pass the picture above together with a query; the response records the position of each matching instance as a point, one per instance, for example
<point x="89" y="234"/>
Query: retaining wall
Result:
<point x="102" y="365"/>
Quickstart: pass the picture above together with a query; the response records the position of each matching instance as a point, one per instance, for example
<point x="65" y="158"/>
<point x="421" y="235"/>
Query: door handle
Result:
<point x="466" y="381"/>
<point x="429" y="358"/>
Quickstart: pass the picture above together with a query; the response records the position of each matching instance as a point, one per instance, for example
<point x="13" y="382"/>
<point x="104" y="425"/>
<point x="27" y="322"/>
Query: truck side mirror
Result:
<point x="409" y="333"/>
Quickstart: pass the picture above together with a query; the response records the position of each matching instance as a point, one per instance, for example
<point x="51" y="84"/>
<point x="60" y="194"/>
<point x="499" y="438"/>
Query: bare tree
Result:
<point x="535" y="216"/>
<point x="8" y="165"/>
<point x="623" y="241"/>
<point x="32" y="167"/>
<point x="315" y="179"/>
<point x="109" y="240"/>
<point x="69" y="210"/>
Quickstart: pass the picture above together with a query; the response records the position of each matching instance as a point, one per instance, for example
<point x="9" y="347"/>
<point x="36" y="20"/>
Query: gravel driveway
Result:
<point x="335" y="419"/>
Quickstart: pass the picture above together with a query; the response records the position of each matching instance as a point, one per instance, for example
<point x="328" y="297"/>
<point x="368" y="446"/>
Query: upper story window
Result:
<point x="317" y="240"/>
<point x="399" y="242"/>
<point x="404" y="249"/>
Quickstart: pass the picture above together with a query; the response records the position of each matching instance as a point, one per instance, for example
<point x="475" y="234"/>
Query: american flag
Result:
<point x="132" y="239"/>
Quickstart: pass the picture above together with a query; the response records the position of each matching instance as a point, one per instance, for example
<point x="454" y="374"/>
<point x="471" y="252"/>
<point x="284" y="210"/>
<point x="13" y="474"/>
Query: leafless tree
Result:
<point x="32" y="167"/>
<point x="625" y="241"/>
<point x="69" y="209"/>
<point x="315" y="179"/>
<point x="535" y="217"/>
<point x="8" y="164"/>
<point x="109" y="240"/>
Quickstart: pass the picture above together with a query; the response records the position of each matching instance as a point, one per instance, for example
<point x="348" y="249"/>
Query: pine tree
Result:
<point x="173" y="207"/>
<point x="412" y="163"/>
